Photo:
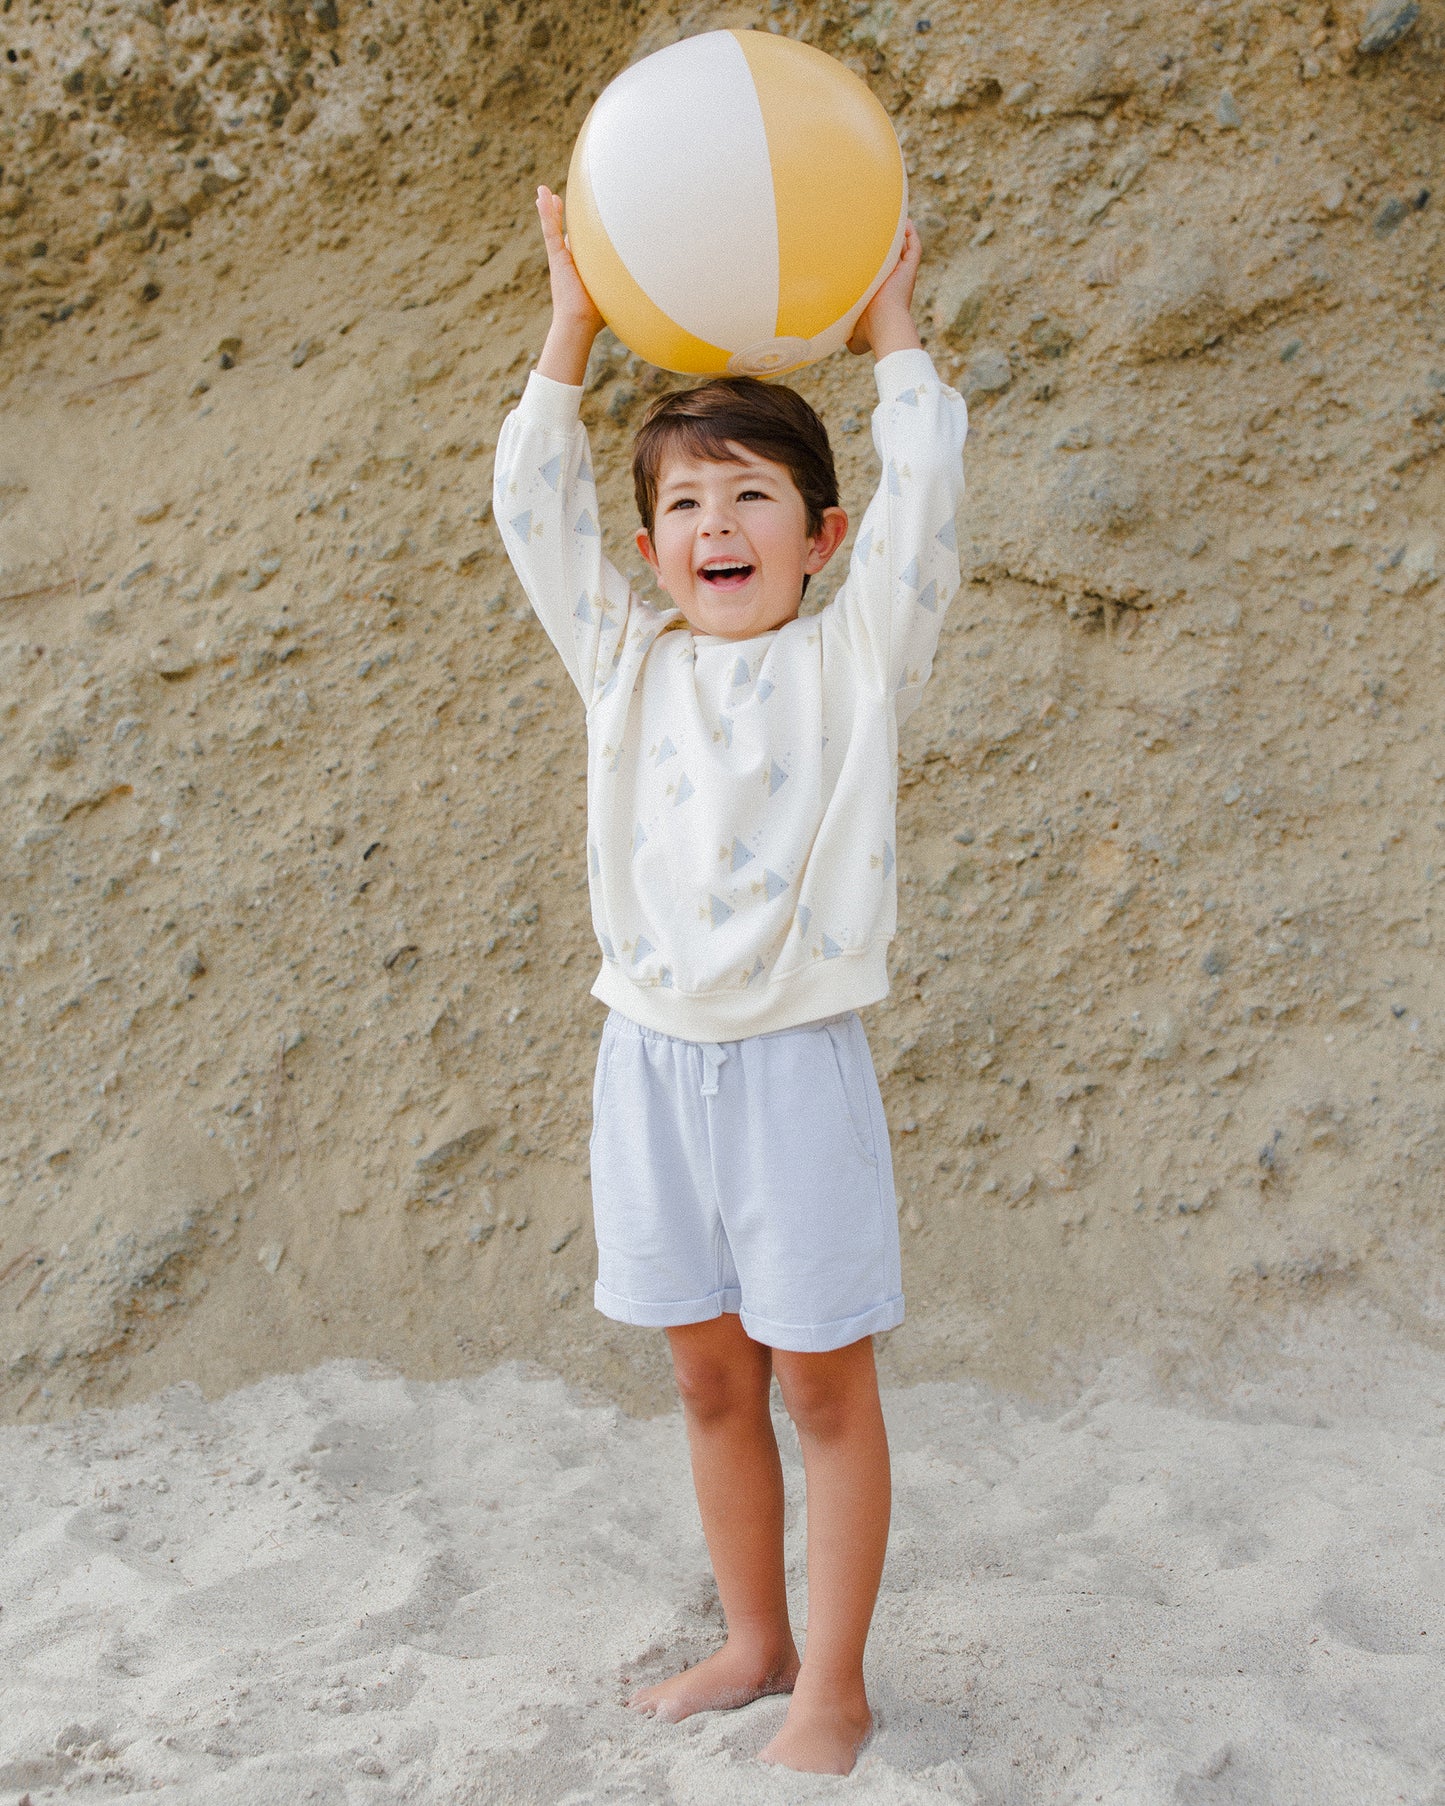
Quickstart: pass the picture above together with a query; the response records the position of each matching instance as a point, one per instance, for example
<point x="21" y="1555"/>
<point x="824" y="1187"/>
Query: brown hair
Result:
<point x="766" y="419"/>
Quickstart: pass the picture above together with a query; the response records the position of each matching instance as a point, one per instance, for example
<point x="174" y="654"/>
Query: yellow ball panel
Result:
<point x="638" y="322"/>
<point x="834" y="228"/>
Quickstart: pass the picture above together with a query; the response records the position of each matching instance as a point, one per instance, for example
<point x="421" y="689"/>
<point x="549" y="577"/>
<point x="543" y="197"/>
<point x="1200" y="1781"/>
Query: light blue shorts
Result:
<point x="750" y="1176"/>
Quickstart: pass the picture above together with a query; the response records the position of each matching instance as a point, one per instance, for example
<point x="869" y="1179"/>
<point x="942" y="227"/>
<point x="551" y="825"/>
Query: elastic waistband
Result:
<point x="624" y="1025"/>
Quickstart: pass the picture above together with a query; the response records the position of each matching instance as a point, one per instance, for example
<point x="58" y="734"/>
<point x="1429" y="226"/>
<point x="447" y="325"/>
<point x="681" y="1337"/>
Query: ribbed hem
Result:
<point x="828" y="987"/>
<point x="823" y="1338"/>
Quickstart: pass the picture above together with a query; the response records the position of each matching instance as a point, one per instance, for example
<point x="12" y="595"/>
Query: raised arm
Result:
<point x="575" y="320"/>
<point x="904" y="569"/>
<point x="886" y="324"/>
<point x="544" y="496"/>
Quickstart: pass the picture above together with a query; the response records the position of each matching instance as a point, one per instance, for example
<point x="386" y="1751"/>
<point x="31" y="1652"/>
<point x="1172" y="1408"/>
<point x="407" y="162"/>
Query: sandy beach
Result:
<point x="320" y="1478"/>
<point x="345" y="1586"/>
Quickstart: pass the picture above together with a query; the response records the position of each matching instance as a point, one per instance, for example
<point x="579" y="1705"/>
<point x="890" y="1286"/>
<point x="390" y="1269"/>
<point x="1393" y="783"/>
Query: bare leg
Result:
<point x="833" y="1400"/>
<point x="724" y="1379"/>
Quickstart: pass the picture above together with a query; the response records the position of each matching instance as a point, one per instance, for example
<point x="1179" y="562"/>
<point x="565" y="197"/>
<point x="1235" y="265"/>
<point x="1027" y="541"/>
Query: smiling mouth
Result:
<point x="726" y="576"/>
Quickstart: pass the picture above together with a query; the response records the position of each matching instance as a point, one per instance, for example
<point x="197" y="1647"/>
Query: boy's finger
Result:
<point x="552" y="237"/>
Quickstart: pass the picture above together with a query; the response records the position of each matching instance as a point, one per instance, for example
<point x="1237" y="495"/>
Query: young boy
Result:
<point x="741" y="787"/>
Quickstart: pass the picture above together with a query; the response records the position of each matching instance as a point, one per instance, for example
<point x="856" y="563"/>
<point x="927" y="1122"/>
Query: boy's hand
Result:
<point x="575" y="319"/>
<point x="886" y="324"/>
<point x="570" y="300"/>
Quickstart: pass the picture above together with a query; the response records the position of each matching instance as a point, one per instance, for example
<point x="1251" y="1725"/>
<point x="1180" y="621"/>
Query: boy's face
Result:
<point x="730" y="543"/>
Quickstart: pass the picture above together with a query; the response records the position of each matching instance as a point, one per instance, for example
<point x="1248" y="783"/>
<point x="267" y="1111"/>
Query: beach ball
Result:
<point x="733" y="203"/>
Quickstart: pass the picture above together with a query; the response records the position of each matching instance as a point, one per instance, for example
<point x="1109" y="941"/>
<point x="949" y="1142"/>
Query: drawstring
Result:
<point x="713" y="1057"/>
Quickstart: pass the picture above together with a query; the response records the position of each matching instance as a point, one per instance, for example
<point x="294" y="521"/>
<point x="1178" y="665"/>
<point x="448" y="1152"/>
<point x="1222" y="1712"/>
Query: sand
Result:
<point x="293" y="989"/>
<point x="348" y="1586"/>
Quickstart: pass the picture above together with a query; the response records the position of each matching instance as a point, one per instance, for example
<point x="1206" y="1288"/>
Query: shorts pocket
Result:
<point x="849" y="1083"/>
<point x="599" y="1078"/>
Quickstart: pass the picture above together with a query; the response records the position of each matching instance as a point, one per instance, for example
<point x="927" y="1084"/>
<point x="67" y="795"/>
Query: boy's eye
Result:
<point x="753" y="495"/>
<point x="683" y="501"/>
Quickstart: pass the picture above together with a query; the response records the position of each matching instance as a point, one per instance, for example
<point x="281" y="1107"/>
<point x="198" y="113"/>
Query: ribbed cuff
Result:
<point x="551" y="404"/>
<point x="902" y="370"/>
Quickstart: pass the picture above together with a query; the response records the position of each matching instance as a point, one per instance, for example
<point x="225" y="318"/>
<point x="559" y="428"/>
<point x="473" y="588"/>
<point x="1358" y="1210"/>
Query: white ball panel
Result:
<point x="675" y="116"/>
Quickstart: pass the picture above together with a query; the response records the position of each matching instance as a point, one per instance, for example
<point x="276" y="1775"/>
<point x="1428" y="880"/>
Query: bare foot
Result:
<point x="820" y="1737"/>
<point x="721" y="1683"/>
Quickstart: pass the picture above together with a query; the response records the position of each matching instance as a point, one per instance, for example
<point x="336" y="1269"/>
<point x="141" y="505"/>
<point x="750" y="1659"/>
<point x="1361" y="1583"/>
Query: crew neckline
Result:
<point x="722" y="639"/>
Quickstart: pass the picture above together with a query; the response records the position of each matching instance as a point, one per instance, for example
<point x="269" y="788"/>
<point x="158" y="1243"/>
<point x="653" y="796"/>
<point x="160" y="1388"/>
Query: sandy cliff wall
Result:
<point x="296" y="1036"/>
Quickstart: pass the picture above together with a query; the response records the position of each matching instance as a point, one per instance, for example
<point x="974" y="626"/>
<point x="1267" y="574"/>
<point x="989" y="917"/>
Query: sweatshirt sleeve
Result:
<point x="904" y="570"/>
<point x="544" y="499"/>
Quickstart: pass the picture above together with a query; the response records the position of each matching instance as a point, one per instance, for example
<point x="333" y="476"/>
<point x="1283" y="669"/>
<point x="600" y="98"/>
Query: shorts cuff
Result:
<point x="665" y="1316"/>
<point x="823" y="1338"/>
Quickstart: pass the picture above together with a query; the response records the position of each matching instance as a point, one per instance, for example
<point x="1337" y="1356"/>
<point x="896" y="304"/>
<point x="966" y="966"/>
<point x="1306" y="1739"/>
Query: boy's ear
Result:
<point x="825" y="541"/>
<point x="644" y="545"/>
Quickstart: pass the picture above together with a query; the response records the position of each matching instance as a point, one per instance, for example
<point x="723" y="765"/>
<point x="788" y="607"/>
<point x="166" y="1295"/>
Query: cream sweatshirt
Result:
<point x="741" y="794"/>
